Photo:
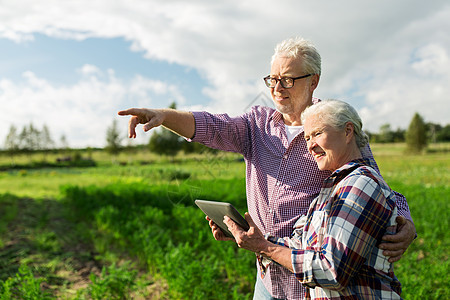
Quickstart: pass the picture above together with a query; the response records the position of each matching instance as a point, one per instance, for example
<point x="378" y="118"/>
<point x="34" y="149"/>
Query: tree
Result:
<point x="46" y="140"/>
<point x="416" y="138"/>
<point x="444" y="134"/>
<point x="386" y="135"/>
<point x="164" y="141"/>
<point x="64" y="143"/>
<point x="26" y="141"/>
<point x="437" y="132"/>
<point x="12" y="141"/>
<point x="34" y="137"/>
<point x="113" y="139"/>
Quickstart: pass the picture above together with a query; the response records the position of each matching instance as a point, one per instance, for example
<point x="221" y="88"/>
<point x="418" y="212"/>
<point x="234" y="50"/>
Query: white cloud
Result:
<point x="431" y="60"/>
<point x="81" y="111"/>
<point x="416" y="81"/>
<point x="88" y="69"/>
<point x="422" y="86"/>
<point x="387" y="58"/>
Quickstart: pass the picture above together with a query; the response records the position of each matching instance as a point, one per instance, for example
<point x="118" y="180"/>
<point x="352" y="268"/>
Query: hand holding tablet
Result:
<point x="217" y="210"/>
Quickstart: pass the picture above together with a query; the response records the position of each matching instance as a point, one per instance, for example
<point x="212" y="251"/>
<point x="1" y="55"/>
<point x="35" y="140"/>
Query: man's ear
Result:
<point x="314" y="82"/>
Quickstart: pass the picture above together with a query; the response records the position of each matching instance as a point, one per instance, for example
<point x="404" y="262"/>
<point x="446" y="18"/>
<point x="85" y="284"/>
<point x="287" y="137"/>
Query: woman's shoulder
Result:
<point x="367" y="179"/>
<point x="362" y="172"/>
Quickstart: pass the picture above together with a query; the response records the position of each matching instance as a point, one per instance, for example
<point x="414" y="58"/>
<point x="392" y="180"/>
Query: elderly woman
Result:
<point x="334" y="250"/>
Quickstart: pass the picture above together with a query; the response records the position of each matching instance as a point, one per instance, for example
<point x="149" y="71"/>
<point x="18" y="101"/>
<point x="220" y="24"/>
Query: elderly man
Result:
<point x="282" y="178"/>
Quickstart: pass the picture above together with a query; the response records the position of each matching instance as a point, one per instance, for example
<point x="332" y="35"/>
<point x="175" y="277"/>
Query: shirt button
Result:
<point x="285" y="156"/>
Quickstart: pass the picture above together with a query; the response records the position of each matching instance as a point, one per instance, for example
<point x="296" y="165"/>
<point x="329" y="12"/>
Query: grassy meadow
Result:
<point x="127" y="227"/>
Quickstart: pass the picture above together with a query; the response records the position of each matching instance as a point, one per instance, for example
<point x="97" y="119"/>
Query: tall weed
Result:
<point x="430" y="211"/>
<point x="8" y="211"/>
<point x="160" y="226"/>
<point x="24" y="285"/>
<point x="115" y="282"/>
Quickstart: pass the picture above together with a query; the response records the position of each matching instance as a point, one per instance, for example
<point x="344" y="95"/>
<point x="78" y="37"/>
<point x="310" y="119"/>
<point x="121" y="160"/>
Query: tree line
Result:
<point x="31" y="138"/>
<point x="417" y="136"/>
<point x="165" y="142"/>
<point x="434" y="133"/>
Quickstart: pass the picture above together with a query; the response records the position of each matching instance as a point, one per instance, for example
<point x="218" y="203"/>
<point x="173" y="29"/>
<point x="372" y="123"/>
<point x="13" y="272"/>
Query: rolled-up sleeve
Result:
<point x="220" y="131"/>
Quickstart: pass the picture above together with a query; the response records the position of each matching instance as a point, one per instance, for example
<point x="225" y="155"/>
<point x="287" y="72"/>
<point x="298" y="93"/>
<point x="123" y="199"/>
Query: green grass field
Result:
<point x="127" y="228"/>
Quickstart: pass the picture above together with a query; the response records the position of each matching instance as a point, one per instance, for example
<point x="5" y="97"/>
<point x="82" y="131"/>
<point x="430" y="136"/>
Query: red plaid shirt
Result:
<point x="335" y="250"/>
<point x="282" y="179"/>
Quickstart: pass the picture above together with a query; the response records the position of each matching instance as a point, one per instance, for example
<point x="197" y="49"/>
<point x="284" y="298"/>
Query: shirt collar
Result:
<point x="349" y="167"/>
<point x="277" y="117"/>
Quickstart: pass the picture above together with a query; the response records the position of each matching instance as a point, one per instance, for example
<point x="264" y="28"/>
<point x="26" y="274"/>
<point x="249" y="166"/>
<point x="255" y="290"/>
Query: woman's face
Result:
<point x="327" y="145"/>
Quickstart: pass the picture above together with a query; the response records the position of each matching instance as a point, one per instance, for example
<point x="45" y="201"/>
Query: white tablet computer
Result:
<point x="217" y="210"/>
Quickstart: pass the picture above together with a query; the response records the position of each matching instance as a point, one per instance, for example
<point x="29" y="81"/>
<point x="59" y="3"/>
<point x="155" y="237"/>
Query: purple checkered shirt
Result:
<point x="282" y="179"/>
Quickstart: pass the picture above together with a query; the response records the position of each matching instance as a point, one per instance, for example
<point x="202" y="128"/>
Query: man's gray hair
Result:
<point x="299" y="47"/>
<point x="337" y="113"/>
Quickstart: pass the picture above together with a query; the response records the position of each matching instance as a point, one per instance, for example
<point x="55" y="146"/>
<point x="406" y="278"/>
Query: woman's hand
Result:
<point x="217" y="232"/>
<point x="252" y="240"/>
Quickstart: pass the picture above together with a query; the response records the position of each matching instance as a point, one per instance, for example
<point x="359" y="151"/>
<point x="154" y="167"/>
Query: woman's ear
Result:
<point x="349" y="131"/>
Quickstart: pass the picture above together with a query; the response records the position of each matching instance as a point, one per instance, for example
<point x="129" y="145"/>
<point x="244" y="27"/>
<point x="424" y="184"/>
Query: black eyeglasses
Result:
<point x="286" y="82"/>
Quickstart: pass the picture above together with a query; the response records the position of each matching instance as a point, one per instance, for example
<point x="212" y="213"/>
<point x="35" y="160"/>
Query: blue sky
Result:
<point x="57" y="60"/>
<point x="71" y="65"/>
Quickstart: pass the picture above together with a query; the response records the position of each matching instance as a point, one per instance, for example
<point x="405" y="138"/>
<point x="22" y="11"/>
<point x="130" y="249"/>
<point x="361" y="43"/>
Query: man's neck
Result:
<point x="289" y="121"/>
<point x="294" y="119"/>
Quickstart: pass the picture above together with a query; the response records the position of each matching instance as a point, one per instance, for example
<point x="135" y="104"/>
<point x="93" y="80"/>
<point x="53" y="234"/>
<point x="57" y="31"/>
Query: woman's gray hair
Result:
<point x="337" y="113"/>
<point x="299" y="47"/>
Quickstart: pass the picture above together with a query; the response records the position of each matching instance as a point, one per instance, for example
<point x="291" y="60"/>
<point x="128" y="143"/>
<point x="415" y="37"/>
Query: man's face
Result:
<point x="292" y="101"/>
